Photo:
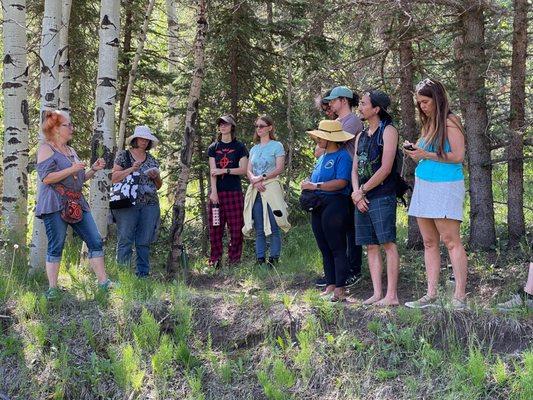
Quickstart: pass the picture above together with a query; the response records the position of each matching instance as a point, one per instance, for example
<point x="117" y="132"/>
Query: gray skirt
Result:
<point x="437" y="199"/>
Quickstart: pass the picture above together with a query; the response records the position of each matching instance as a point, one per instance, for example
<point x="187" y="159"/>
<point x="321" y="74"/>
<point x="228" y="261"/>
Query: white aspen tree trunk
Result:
<point x="49" y="54"/>
<point x="64" y="60"/>
<point x="133" y="73"/>
<point x="103" y="139"/>
<point x="16" y="122"/>
<point x="173" y="58"/>
<point x="189" y="135"/>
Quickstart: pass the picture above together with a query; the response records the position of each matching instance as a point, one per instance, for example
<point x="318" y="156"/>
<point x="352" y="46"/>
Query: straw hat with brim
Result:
<point x="143" y="132"/>
<point x="331" y="130"/>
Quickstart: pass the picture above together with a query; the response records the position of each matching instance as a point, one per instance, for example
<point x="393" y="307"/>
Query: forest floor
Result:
<point x="259" y="333"/>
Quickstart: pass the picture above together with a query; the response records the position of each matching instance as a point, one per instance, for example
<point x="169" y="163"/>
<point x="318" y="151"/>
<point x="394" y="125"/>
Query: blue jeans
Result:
<point x="56" y="230"/>
<point x="260" y="238"/>
<point x="136" y="225"/>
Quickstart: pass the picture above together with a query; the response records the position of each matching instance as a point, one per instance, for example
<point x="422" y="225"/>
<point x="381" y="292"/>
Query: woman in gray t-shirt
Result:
<point x="60" y="170"/>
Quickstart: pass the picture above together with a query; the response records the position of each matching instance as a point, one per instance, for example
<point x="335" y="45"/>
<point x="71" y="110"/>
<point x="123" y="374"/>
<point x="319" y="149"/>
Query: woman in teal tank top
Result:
<point x="438" y="196"/>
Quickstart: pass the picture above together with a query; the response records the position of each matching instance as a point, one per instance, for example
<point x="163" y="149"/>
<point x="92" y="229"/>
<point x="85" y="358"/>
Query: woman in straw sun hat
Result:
<point x="137" y="225"/>
<point x="330" y="180"/>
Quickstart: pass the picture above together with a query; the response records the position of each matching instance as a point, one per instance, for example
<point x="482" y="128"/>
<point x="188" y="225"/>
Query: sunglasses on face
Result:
<point x="258" y="126"/>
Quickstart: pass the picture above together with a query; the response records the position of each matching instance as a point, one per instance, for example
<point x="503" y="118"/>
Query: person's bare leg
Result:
<point x="529" y="285"/>
<point x="450" y="235"/>
<point x="393" y="267"/>
<point x="52" y="272"/>
<point x="376" y="268"/>
<point x="97" y="264"/>
<point x="430" y="235"/>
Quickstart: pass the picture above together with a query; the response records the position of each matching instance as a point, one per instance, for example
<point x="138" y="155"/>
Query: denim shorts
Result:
<point x="378" y="224"/>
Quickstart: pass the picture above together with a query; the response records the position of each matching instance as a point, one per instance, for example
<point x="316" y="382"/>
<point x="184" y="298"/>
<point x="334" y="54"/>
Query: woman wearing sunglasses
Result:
<point x="265" y="209"/>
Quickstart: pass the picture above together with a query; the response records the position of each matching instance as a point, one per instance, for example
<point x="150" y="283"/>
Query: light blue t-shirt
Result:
<point x="436" y="171"/>
<point x="263" y="157"/>
<point x="330" y="166"/>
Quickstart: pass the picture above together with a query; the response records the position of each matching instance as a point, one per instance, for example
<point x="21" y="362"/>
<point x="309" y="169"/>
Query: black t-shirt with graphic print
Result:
<point x="228" y="155"/>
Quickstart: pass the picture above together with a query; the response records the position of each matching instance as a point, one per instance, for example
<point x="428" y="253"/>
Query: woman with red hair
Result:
<point x="60" y="201"/>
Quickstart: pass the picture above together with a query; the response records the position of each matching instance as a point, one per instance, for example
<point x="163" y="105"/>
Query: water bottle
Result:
<point x="215" y="209"/>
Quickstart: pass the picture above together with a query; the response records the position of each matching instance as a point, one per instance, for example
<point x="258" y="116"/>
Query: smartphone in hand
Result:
<point x="409" y="146"/>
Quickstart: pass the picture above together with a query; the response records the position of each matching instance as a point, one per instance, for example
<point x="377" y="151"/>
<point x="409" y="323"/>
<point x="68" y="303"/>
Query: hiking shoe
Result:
<point x="321" y="282"/>
<point x="458" y="304"/>
<point x="215" y="264"/>
<point x="518" y="300"/>
<point x="353" y="280"/>
<point x="260" y="261"/>
<point x="107" y="285"/>
<point x="52" y="293"/>
<point x="423" y="302"/>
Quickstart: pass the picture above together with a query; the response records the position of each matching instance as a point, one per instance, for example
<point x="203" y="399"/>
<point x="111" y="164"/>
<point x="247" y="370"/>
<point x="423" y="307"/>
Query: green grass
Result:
<point x="240" y="332"/>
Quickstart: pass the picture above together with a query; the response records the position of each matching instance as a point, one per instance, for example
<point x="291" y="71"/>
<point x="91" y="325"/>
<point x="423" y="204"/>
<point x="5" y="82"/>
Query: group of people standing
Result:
<point x="358" y="167"/>
<point x="352" y="189"/>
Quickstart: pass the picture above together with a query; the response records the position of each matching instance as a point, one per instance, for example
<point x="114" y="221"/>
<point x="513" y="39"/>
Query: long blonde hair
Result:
<point x="434" y="126"/>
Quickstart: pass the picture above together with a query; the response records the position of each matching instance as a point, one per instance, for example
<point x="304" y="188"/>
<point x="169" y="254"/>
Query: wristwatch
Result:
<point x="264" y="176"/>
<point x="319" y="185"/>
<point x="228" y="171"/>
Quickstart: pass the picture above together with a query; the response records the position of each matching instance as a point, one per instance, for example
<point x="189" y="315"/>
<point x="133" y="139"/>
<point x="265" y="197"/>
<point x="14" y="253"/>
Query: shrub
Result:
<point x="127" y="369"/>
<point x="146" y="332"/>
<point x="163" y="358"/>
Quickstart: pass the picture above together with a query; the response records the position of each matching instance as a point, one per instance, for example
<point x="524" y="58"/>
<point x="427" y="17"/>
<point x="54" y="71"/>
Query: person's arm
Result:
<point x="357" y="194"/>
<point x="118" y="173"/>
<point x="329" y="186"/>
<point x="280" y="166"/>
<point x="390" y="144"/>
<point x="97" y="166"/>
<point x="240" y="170"/>
<point x="44" y="153"/>
<point x="457" y="145"/>
<point x="213" y="196"/>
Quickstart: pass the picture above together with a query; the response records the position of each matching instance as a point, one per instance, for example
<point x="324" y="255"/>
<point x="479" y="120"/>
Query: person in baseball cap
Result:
<point x="228" y="159"/>
<point x="341" y="101"/>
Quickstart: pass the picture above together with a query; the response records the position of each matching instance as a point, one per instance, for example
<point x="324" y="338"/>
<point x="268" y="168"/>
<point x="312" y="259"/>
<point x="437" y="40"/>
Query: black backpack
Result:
<point x="401" y="184"/>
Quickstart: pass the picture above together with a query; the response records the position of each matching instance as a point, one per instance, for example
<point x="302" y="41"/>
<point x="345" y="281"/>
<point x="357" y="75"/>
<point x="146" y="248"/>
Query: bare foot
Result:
<point x="372" y="300"/>
<point x="387" y="302"/>
<point x="328" y="290"/>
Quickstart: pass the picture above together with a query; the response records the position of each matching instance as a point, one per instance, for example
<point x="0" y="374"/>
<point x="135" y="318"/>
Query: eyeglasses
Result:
<point x="424" y="82"/>
<point x="70" y="125"/>
<point x="260" y="126"/>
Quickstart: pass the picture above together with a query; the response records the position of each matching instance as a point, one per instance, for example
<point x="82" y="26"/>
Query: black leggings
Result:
<point x="330" y="224"/>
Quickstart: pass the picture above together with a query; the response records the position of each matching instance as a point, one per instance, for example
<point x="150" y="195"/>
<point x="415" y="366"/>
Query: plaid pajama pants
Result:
<point x="231" y="205"/>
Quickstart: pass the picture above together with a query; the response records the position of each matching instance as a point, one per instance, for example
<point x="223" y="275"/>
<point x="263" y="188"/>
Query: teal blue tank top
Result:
<point x="436" y="171"/>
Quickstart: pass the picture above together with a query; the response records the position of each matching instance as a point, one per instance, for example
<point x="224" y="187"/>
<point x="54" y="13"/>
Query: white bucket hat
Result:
<point x="142" y="131"/>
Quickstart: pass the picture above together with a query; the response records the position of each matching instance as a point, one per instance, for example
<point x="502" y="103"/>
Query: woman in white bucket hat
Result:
<point x="137" y="225"/>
